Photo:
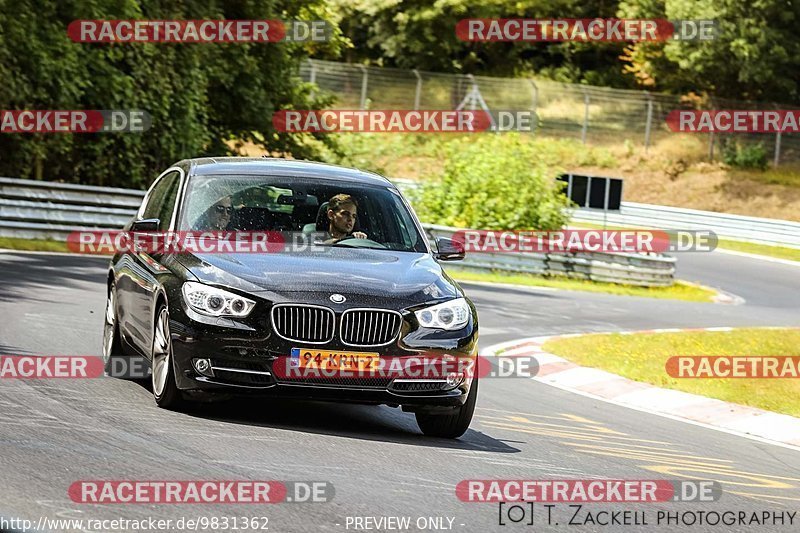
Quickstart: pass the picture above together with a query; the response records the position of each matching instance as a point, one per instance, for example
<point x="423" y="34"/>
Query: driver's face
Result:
<point x="344" y="219"/>
<point x="221" y="213"/>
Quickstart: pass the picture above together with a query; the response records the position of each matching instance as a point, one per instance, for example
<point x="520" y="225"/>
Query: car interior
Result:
<point x="304" y="207"/>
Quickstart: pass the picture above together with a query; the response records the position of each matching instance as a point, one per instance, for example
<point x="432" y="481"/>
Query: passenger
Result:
<point x="342" y="213"/>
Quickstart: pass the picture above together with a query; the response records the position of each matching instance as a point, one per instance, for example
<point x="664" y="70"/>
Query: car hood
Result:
<point x="359" y="274"/>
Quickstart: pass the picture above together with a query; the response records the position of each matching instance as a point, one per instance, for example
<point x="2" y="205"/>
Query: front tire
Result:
<point x="112" y="343"/>
<point x="450" y="425"/>
<point x="165" y="391"/>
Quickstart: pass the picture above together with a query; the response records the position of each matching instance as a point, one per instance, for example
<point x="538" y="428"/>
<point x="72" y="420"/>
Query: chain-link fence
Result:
<point x="595" y="115"/>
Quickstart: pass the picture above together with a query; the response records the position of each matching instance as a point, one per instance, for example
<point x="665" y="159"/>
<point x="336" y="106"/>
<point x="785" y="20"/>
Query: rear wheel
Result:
<point x="165" y="391"/>
<point x="450" y="425"/>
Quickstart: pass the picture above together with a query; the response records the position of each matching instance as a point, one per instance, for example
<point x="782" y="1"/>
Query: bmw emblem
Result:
<point x="337" y="298"/>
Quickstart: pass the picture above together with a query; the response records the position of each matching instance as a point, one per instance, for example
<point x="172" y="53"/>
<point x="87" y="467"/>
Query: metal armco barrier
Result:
<point x="736" y="227"/>
<point x="648" y="270"/>
<point x="46" y="210"/>
<point x="32" y="209"/>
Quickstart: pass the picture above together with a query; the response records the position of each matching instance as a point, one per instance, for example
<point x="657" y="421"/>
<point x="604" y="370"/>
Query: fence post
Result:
<point x="364" y="78"/>
<point x="535" y="92"/>
<point x="312" y="77"/>
<point x="649" y="124"/>
<point x="569" y="186"/>
<point x="777" y="158"/>
<point x="418" y="92"/>
<point x="711" y="145"/>
<point x="585" y="117"/>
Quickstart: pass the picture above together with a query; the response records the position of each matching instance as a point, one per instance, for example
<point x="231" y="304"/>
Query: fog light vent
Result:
<point x="203" y="367"/>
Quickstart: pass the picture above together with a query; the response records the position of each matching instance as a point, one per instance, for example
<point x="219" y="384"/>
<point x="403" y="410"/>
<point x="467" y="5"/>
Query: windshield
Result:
<point x="336" y="213"/>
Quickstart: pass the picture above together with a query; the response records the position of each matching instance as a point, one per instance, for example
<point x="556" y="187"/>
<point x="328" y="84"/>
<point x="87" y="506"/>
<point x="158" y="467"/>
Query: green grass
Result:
<point x="679" y="291"/>
<point x="787" y="175"/>
<point x="642" y="357"/>
<point x="37" y="245"/>
<point x="780" y="252"/>
<point x="422" y="157"/>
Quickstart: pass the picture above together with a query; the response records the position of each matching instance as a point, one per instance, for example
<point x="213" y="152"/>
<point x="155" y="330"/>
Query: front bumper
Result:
<point x="244" y="359"/>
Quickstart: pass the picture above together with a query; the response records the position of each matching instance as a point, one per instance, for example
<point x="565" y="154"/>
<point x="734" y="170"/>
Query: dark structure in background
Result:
<point x="596" y="192"/>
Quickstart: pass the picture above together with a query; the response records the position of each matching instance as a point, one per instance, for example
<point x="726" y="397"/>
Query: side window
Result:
<point x="161" y="201"/>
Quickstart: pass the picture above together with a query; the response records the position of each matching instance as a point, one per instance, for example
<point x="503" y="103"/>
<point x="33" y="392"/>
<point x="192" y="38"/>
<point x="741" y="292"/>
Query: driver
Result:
<point x="218" y="216"/>
<point x="342" y="213"/>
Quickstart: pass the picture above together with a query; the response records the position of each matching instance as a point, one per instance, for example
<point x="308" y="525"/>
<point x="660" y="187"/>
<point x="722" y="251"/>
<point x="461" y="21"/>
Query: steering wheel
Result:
<point x="359" y="243"/>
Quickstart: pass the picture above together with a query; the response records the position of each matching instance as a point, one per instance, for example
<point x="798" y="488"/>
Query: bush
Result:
<point x="739" y="155"/>
<point x="494" y="182"/>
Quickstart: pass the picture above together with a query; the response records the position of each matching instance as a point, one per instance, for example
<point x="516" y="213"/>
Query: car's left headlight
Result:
<point x="450" y="315"/>
<point x="212" y="301"/>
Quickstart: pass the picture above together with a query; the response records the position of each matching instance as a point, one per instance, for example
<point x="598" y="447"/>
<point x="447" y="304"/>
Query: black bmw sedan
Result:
<point x="356" y="285"/>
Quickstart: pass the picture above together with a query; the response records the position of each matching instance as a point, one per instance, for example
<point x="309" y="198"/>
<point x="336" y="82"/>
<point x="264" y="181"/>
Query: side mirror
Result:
<point x="147" y="225"/>
<point x="448" y="250"/>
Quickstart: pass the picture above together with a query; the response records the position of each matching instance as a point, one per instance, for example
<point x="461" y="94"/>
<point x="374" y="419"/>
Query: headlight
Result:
<point x="212" y="301"/>
<point x="447" y="315"/>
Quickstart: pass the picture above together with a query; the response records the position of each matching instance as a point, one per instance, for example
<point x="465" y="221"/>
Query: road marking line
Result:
<point x="760" y="257"/>
<point x="757" y="496"/>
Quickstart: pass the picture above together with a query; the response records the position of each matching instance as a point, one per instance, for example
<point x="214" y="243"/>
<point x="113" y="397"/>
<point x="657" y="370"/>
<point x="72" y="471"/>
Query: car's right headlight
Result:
<point x="212" y="301"/>
<point x="450" y="315"/>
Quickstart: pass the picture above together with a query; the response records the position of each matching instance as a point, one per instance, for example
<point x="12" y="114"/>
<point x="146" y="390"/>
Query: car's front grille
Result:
<point x="303" y="323"/>
<point x="369" y="327"/>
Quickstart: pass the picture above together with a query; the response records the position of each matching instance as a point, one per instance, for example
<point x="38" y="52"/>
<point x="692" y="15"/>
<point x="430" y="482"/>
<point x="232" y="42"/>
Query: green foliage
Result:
<point x="755" y="55"/>
<point x="740" y="155"/>
<point x="421" y="34"/>
<point x="200" y="96"/>
<point x="495" y="181"/>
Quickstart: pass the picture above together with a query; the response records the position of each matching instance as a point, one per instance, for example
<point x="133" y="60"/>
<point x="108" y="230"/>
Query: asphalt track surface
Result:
<point x="55" y="432"/>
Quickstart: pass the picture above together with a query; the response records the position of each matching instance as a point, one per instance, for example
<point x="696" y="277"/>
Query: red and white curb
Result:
<point x="599" y="384"/>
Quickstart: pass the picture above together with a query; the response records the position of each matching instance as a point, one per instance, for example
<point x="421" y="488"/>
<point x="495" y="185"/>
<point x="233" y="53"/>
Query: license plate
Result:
<point x="330" y="360"/>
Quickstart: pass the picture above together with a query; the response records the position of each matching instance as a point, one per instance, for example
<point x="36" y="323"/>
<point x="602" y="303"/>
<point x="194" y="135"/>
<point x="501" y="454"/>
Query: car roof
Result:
<point x="273" y="166"/>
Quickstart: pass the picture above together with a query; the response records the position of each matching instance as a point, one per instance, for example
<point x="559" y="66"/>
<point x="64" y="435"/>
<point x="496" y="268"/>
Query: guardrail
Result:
<point x="44" y="210"/>
<point x="737" y="227"/>
<point x="32" y="209"/>
<point x="650" y="270"/>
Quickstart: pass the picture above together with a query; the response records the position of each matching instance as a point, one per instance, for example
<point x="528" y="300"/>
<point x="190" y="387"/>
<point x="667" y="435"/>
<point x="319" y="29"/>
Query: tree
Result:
<point x="755" y="55"/>
<point x="421" y="34"/>
<point x="201" y="97"/>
